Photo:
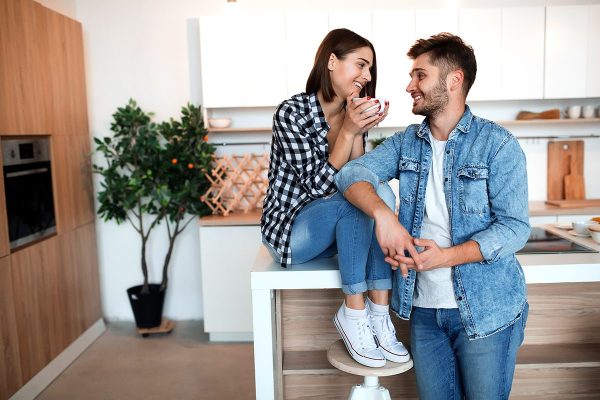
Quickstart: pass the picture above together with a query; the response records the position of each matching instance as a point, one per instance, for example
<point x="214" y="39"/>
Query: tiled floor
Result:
<point x="181" y="365"/>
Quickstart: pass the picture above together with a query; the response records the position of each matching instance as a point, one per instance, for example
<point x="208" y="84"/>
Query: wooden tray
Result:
<point x="166" y="326"/>
<point x="574" y="203"/>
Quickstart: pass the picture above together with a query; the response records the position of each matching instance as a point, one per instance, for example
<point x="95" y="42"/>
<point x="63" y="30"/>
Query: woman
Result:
<point x="304" y="217"/>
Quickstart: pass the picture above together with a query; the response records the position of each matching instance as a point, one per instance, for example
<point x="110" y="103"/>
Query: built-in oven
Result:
<point x="28" y="189"/>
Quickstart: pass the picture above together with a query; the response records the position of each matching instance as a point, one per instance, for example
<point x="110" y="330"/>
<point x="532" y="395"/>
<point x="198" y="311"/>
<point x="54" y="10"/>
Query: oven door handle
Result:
<point x="27" y="172"/>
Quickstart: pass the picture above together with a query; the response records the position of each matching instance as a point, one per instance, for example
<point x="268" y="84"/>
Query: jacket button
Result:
<point x="459" y="298"/>
<point x="447" y="151"/>
<point x="445" y="179"/>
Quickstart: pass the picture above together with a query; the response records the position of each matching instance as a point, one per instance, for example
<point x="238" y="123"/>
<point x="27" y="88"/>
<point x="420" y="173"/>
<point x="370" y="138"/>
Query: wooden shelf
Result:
<point x="557" y="355"/>
<point x="565" y="121"/>
<point x="238" y="130"/>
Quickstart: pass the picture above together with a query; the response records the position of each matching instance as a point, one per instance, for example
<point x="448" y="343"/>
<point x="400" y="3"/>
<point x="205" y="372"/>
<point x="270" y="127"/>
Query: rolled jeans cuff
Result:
<point x="355" y="288"/>
<point x="380" y="284"/>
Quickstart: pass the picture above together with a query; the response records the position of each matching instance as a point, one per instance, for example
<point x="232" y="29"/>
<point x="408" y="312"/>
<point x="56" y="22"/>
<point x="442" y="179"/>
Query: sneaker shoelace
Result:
<point x="366" y="335"/>
<point x="387" y="332"/>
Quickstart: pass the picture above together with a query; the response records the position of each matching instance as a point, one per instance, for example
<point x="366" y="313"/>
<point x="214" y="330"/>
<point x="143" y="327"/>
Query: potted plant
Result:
<point x="154" y="173"/>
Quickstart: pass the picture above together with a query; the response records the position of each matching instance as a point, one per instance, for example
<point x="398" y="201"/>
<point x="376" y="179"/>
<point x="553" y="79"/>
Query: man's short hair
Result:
<point x="448" y="52"/>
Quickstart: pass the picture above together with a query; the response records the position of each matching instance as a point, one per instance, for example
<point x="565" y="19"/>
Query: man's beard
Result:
<point x="434" y="102"/>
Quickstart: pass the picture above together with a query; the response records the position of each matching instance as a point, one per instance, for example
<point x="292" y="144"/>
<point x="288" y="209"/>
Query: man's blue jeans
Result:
<point x="332" y="225"/>
<point x="450" y="366"/>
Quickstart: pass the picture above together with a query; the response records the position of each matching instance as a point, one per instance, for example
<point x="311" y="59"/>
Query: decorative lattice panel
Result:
<point x="238" y="183"/>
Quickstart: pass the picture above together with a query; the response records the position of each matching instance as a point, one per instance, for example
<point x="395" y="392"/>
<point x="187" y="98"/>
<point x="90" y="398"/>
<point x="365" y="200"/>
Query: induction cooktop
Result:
<point x="542" y="241"/>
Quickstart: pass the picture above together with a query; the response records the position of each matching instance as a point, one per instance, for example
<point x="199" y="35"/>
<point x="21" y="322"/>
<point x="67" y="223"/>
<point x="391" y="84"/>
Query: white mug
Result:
<point x="376" y="107"/>
<point x="588" y="111"/>
<point x="574" y="112"/>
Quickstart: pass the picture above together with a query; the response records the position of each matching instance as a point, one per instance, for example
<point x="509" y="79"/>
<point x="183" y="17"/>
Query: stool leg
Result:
<point x="369" y="390"/>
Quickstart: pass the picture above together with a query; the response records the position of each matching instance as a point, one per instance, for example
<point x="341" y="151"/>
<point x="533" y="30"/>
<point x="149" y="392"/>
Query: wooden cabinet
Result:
<point x="522" y="70"/>
<point x="301" y="46"/>
<point x="72" y="175"/>
<point x="10" y="363"/>
<point x="250" y="63"/>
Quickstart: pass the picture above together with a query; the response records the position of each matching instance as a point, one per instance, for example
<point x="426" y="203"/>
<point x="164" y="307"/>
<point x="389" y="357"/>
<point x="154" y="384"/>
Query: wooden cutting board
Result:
<point x="565" y="158"/>
<point x="574" y="183"/>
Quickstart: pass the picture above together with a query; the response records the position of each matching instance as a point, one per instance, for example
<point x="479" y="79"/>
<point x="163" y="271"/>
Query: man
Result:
<point x="463" y="215"/>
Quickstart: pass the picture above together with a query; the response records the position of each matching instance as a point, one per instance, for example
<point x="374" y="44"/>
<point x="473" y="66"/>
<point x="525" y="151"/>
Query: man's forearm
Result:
<point x="467" y="252"/>
<point x="364" y="197"/>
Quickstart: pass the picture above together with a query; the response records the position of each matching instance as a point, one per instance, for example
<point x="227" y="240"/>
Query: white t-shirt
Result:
<point x="434" y="288"/>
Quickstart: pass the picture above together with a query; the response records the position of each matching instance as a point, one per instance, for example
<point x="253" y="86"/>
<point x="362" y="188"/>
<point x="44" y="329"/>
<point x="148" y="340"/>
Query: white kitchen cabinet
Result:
<point x="482" y="29"/>
<point x="393" y="35"/>
<point x="359" y="22"/>
<point x="593" y="52"/>
<point x="241" y="60"/>
<point x="522" y="70"/>
<point x="566" y="51"/>
<point x="226" y="257"/>
<point x="433" y="21"/>
<point x="304" y="33"/>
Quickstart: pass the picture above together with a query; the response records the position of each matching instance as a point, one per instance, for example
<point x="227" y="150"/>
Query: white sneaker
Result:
<point x="359" y="338"/>
<point x="385" y="332"/>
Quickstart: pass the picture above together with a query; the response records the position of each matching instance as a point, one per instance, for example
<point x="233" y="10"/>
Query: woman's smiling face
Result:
<point x="351" y="73"/>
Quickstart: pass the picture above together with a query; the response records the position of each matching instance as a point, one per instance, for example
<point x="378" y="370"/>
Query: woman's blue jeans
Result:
<point x="332" y="225"/>
<point x="449" y="366"/>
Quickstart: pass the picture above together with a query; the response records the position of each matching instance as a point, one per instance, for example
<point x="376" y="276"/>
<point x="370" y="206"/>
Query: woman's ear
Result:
<point x="332" y="62"/>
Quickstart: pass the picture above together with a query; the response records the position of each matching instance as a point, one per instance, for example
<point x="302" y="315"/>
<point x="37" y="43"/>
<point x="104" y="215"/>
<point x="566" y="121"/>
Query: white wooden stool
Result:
<point x="338" y="356"/>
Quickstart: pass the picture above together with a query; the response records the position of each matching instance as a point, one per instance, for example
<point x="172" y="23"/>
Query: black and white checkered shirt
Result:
<point x="299" y="169"/>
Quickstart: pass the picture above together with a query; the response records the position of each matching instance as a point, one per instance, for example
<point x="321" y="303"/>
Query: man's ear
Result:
<point x="455" y="80"/>
<point x="332" y="62"/>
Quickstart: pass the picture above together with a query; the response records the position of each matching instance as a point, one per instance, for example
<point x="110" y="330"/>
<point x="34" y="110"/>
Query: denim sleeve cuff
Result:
<point x="488" y="246"/>
<point x="354" y="172"/>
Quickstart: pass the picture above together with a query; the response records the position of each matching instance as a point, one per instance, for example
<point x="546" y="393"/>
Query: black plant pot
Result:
<point x="147" y="308"/>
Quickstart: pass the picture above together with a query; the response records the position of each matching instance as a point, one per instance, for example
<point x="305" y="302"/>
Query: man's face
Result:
<point x="427" y="88"/>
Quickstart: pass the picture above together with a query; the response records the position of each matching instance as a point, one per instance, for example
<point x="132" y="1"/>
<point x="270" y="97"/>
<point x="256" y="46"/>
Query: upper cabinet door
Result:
<point x="482" y="29"/>
<point x="264" y="65"/>
<point x="393" y="35"/>
<point x="359" y="22"/>
<point x="222" y="74"/>
<point x="245" y="69"/>
<point x="566" y="51"/>
<point x="304" y="34"/>
<point x="593" y="61"/>
<point x="432" y="22"/>
<point x="522" y="53"/>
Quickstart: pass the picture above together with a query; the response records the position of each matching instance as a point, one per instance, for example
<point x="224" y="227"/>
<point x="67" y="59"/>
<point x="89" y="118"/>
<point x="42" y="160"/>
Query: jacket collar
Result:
<point x="464" y="124"/>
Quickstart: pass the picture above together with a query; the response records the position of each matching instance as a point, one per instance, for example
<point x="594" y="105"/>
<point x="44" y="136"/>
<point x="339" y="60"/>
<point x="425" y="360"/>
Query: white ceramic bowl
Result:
<point x="219" y="122"/>
<point x="581" y="227"/>
<point x="595" y="235"/>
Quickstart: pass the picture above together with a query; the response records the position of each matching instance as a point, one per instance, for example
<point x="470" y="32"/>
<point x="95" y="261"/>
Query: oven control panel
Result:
<point x="25" y="151"/>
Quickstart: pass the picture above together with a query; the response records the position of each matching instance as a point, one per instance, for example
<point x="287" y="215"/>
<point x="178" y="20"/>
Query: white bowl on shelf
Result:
<point x="595" y="232"/>
<point x="219" y="123"/>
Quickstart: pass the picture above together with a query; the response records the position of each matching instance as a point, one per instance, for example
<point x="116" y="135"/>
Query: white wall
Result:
<point x="138" y="49"/>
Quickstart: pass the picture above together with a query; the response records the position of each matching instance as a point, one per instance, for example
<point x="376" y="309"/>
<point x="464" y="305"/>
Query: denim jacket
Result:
<point x="485" y="184"/>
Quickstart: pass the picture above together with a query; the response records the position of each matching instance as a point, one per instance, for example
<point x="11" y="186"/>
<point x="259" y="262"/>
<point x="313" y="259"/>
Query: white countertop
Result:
<point x="324" y="273"/>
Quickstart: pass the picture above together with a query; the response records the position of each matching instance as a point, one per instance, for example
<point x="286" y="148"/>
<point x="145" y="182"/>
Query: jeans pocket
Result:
<point x="473" y="189"/>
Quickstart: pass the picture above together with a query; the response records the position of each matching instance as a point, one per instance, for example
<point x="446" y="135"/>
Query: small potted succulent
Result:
<point x="154" y="173"/>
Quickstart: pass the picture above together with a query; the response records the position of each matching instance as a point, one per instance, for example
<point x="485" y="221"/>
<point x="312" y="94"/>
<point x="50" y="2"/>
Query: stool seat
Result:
<point x="338" y="356"/>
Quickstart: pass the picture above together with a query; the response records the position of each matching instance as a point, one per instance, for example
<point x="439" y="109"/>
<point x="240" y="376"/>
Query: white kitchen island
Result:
<point x="289" y="360"/>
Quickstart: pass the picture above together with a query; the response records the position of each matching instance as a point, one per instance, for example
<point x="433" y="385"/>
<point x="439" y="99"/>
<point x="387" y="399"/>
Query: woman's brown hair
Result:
<point x="340" y="42"/>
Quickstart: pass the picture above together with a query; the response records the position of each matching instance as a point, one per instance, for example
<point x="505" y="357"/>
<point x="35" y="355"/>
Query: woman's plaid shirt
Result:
<point x="299" y="170"/>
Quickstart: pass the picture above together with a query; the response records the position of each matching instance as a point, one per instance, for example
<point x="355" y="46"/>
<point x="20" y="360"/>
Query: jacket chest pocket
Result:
<point x="409" y="179"/>
<point x="473" y="189"/>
